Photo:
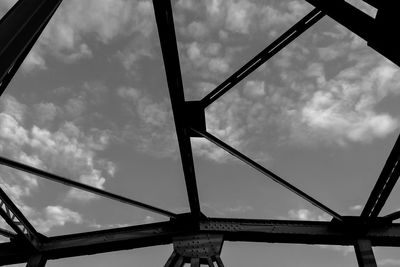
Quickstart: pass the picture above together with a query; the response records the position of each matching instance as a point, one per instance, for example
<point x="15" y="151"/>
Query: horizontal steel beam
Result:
<point x="242" y="230"/>
<point x="84" y="187"/>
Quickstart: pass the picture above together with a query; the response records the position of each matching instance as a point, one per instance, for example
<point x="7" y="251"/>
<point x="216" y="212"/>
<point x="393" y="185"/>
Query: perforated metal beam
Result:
<point x="241" y="230"/>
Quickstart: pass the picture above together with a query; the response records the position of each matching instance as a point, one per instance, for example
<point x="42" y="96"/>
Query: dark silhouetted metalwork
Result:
<point x="166" y="32"/>
<point x="17" y="221"/>
<point x="197" y="239"/>
<point x="289" y="36"/>
<point x="268" y="173"/>
<point x="84" y="187"/>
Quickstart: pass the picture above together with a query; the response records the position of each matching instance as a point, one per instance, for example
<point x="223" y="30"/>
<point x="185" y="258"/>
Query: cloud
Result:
<point x="342" y="110"/>
<point x="77" y="24"/>
<point x="308" y="215"/>
<point x="207" y="60"/>
<point x="56" y="216"/>
<point x="389" y="262"/>
<point x="356" y="208"/>
<point x="66" y="150"/>
<point x="151" y="128"/>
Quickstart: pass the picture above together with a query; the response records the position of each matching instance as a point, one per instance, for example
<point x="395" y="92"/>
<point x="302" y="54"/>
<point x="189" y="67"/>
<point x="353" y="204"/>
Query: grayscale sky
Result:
<point x="91" y="103"/>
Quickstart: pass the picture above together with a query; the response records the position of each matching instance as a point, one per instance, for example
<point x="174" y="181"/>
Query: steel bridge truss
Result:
<point x="197" y="239"/>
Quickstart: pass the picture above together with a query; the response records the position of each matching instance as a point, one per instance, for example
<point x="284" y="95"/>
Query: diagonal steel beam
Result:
<point x="166" y="31"/>
<point x="84" y="187"/>
<point x="347" y="15"/>
<point x="385" y="184"/>
<point x="300" y="27"/>
<point x="14" y="217"/>
<point x="19" y="30"/>
<point x="392" y="216"/>
<point x="268" y="173"/>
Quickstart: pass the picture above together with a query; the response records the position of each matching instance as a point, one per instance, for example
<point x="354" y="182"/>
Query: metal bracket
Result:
<point x="194" y="117"/>
<point x="197" y="250"/>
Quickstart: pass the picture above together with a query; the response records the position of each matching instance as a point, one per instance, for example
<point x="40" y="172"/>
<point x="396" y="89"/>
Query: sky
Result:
<point x="91" y="103"/>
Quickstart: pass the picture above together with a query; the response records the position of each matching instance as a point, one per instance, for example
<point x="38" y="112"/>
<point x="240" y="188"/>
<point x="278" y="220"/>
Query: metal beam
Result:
<point x="84" y="187"/>
<point x="7" y="233"/>
<point x="268" y="173"/>
<point x="19" y="30"/>
<point x="17" y="221"/>
<point x="364" y="253"/>
<point x="219" y="261"/>
<point x="392" y="216"/>
<point x="300" y="27"/>
<point x="240" y="230"/>
<point x="347" y="15"/>
<point x="384" y="185"/>
<point x="172" y="259"/>
<point x="195" y="262"/>
<point x="166" y="32"/>
<point x="37" y="260"/>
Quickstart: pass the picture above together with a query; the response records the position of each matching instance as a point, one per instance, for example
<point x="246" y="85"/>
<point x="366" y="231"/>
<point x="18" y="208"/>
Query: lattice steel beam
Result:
<point x="14" y="217"/>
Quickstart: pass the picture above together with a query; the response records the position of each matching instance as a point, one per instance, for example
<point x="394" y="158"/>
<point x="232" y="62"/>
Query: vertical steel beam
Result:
<point x="364" y="253"/>
<point x="166" y="31"/>
<point x="14" y="217"/>
<point x="195" y="262"/>
<point x="36" y="261"/>
<point x="19" y="30"/>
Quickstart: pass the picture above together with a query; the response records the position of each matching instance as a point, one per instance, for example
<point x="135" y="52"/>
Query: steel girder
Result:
<point x="351" y="233"/>
<point x="166" y="32"/>
<point x="22" y="26"/>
